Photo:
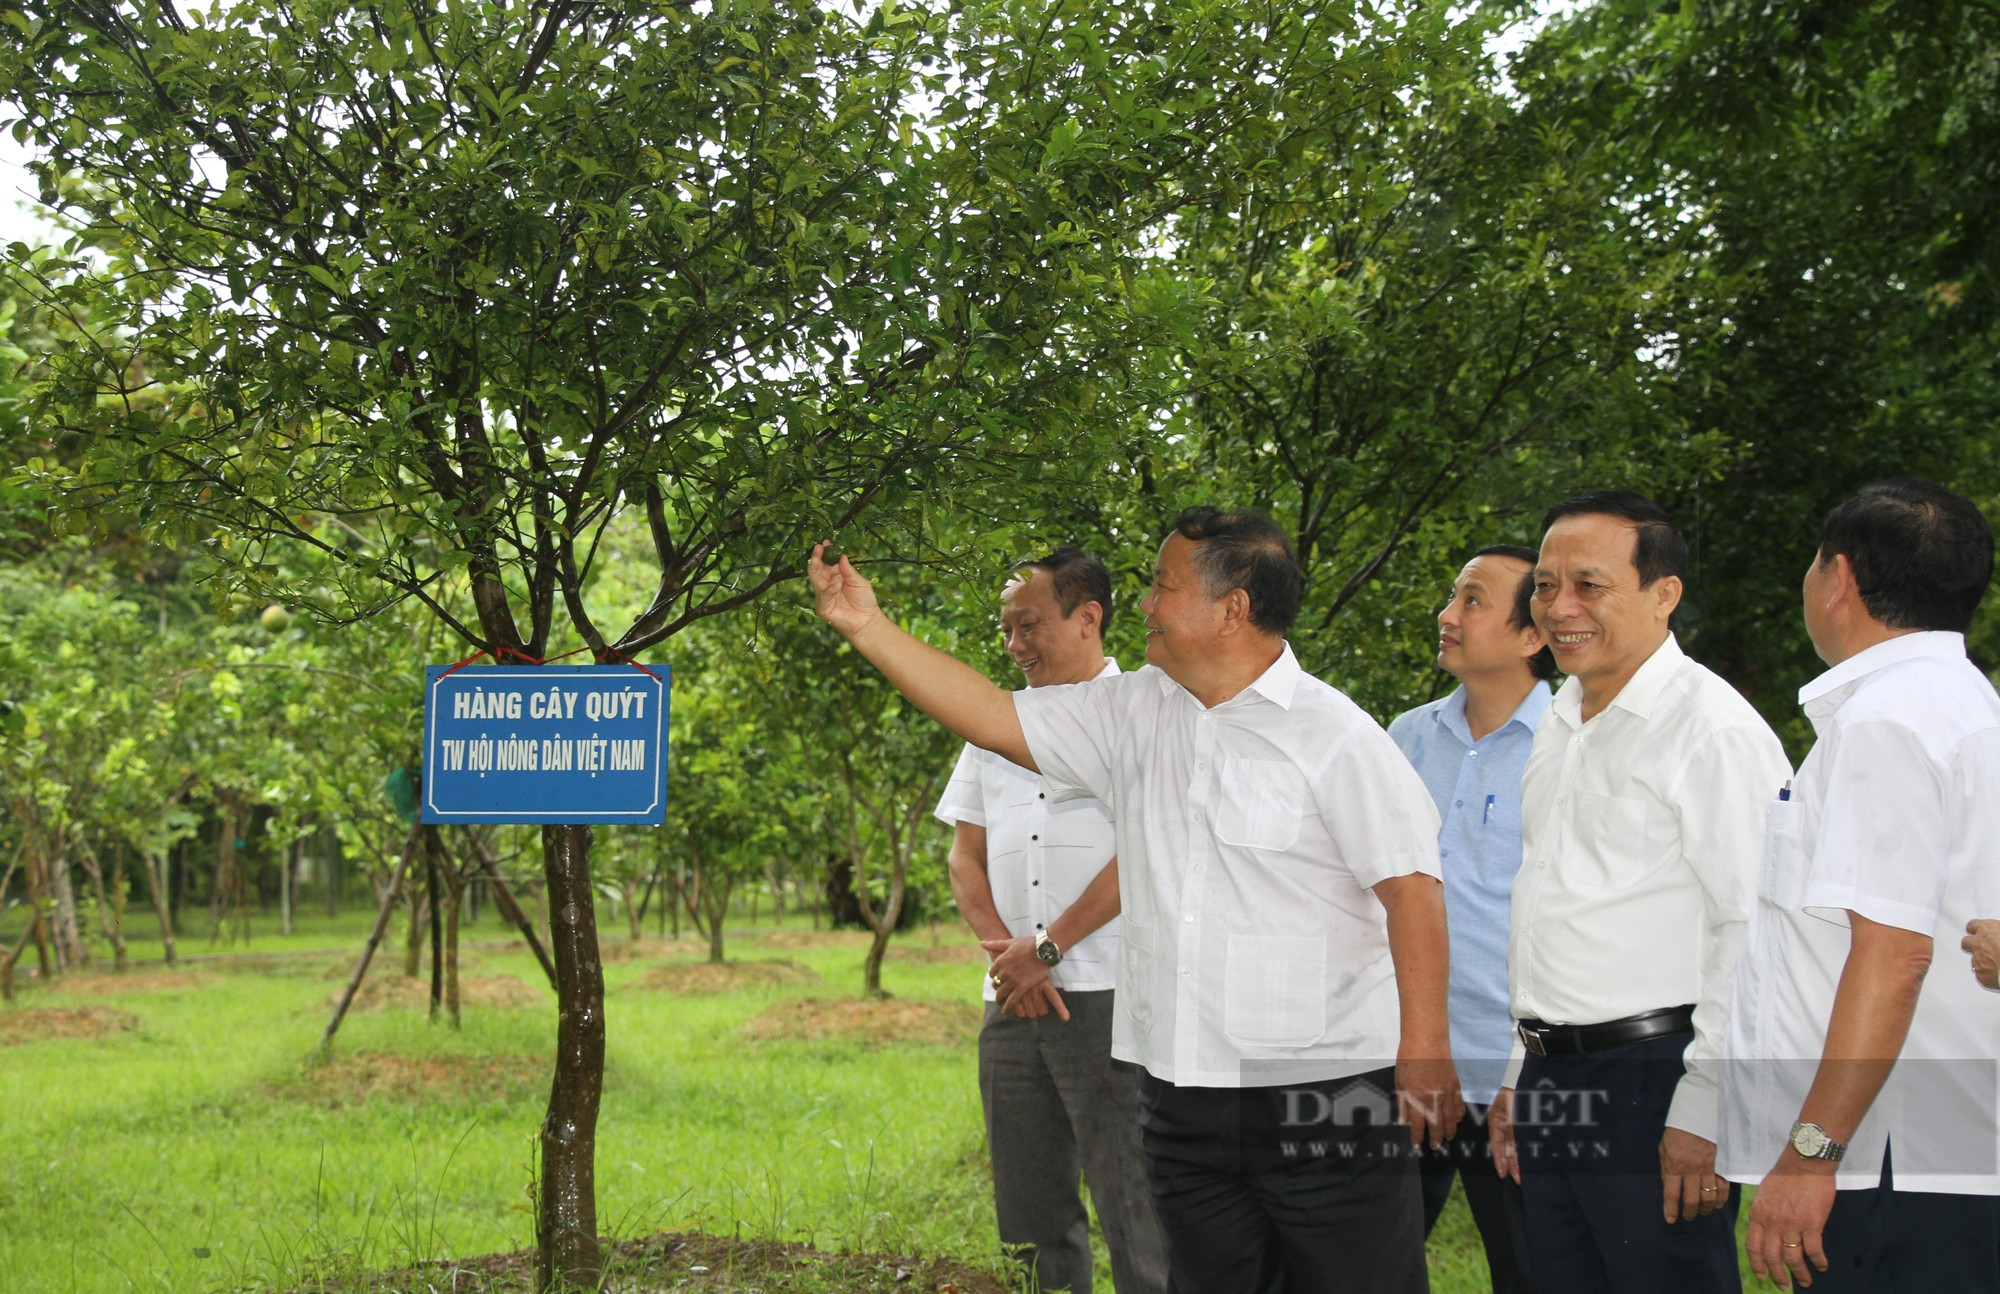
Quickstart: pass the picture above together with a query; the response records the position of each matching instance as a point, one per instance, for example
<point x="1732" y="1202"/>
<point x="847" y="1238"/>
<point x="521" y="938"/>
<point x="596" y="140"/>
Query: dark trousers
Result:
<point x="1886" y="1241"/>
<point x="1588" y="1129"/>
<point x="1306" y="1188"/>
<point x="1057" y="1106"/>
<point x="1495" y="1201"/>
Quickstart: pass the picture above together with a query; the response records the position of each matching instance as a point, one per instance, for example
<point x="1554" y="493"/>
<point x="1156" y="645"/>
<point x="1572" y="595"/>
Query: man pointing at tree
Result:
<point x="1284" y="932"/>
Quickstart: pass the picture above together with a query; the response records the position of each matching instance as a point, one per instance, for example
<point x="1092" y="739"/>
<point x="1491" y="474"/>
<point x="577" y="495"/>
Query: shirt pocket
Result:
<point x="1274" y="990"/>
<point x="1782" y="884"/>
<point x="1611" y="833"/>
<point x="1262" y="802"/>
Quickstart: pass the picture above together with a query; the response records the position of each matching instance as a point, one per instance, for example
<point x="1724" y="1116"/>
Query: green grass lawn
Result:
<point x="193" y="1151"/>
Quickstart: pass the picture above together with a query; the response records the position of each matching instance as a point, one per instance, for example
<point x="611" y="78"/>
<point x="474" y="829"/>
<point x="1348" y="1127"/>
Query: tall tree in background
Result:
<point x="1837" y="167"/>
<point x="430" y="297"/>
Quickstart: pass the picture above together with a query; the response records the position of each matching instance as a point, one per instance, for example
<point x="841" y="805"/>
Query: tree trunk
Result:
<point x="413" y="941"/>
<point x="157" y="880"/>
<point x="504" y="900"/>
<point x="7" y="963"/>
<point x="70" y="950"/>
<point x="455" y="886"/>
<point x="38" y="925"/>
<point x="566" y="1210"/>
<point x="431" y="879"/>
<point x="332" y="868"/>
<point x="110" y="911"/>
<point x="716" y="899"/>
<point x="288" y="875"/>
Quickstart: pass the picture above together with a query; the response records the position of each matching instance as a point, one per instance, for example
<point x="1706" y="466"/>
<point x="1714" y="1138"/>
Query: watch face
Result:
<point x="1046" y="951"/>
<point x="1808" y="1140"/>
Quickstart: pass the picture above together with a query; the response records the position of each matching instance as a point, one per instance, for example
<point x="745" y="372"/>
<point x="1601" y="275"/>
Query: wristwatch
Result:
<point x="1811" y="1141"/>
<point x="1046" y="951"/>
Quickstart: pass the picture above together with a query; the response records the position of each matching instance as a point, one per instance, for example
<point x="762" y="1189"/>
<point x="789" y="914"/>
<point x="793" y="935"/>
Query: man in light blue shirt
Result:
<point x="1470" y="748"/>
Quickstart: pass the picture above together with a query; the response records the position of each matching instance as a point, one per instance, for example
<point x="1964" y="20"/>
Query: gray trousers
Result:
<point x="1055" y="1106"/>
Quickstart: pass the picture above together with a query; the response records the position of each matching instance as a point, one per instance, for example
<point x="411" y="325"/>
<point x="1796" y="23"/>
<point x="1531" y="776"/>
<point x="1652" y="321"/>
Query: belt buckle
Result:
<point x="1532" y="1040"/>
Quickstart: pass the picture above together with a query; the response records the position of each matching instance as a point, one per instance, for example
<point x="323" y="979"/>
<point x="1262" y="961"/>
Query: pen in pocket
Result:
<point x="1486" y="814"/>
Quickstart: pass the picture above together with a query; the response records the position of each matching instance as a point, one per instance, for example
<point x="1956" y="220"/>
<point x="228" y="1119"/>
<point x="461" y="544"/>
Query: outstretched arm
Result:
<point x="950" y="691"/>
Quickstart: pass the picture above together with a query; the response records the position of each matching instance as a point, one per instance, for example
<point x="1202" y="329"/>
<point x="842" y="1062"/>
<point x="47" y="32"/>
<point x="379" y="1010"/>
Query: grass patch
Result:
<point x="187" y="1147"/>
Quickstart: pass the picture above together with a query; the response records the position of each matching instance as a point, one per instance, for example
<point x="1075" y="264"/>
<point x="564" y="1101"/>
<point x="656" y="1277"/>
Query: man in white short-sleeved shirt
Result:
<point x="1037" y="880"/>
<point x="1283" y="958"/>
<point x="1861" y="1093"/>
<point x="1642" y="817"/>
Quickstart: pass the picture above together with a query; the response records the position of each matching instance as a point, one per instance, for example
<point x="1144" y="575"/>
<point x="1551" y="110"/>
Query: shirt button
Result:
<point x="1041" y="795"/>
<point x="1038" y="837"/>
<point x="1201" y="766"/>
<point x="1185" y="972"/>
<point x="1188" y="917"/>
<point x="1458" y="804"/>
<point x="1444" y="853"/>
<point x="1197" y="815"/>
<point x="1034" y="882"/>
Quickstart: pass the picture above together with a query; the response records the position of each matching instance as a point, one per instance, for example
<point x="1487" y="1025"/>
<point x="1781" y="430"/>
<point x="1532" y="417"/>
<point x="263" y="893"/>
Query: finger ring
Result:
<point x="1791" y="1244"/>
<point x="1708" y="1190"/>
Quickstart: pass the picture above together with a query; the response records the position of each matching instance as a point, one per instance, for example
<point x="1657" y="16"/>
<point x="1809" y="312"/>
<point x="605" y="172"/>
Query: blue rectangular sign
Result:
<point x="551" y="743"/>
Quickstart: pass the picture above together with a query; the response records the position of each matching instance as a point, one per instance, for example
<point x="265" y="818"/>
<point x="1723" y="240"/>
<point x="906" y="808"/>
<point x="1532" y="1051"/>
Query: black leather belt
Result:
<point x="1577" y="1039"/>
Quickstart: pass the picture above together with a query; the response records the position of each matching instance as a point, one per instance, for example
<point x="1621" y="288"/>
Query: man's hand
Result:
<point x="1427" y="1096"/>
<point x="1500" y="1136"/>
<point x="1021" y="981"/>
<point x="843" y="597"/>
<point x="1982" y="940"/>
<point x="1688" y="1183"/>
<point x="1787" y="1215"/>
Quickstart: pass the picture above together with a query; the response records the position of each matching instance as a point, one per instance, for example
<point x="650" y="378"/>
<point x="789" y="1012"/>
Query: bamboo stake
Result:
<point x="374" y="938"/>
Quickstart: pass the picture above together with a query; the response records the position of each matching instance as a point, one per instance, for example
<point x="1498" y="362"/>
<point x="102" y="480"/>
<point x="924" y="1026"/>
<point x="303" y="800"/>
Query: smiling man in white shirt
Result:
<point x="1037" y="880"/>
<point x="1861" y="1093"/>
<point x="1283" y="933"/>
<point x="1643" y="809"/>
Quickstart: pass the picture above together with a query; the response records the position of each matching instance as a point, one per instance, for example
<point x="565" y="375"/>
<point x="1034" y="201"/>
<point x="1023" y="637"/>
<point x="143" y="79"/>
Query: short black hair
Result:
<point x="1659" y="549"/>
<point x="1543" y="663"/>
<point x="1922" y="555"/>
<point x="1076" y="577"/>
<point x="1241" y="548"/>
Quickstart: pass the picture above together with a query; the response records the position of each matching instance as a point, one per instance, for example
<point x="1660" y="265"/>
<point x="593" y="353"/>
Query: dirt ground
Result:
<point x="924" y="952"/>
<point x="381" y="992"/>
<point x="725" y="977"/>
<point x="810" y="938"/>
<point x="367" y="1075"/>
<point x="32" y="1024"/>
<point x="943" y="1024"/>
<point x="119" y="984"/>
<point x="710" y="1264"/>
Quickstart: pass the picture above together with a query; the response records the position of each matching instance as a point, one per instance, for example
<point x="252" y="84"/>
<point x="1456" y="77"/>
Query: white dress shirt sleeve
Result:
<point x="1884" y="837"/>
<point x="1070" y="731"/>
<point x="964" y="798"/>
<point x="1720" y="800"/>
<point x="1398" y="834"/>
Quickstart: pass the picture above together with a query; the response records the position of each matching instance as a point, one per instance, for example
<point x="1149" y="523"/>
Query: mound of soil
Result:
<point x="674" y="1262"/>
<point x="966" y="951"/>
<point x="388" y="964"/>
<point x="412" y="1080"/>
<point x="811" y="938"/>
<point x="380" y="993"/>
<point x="35" y="1023"/>
<point x="116" y="984"/>
<point x="726" y="977"/>
<point x="871" y="1020"/>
